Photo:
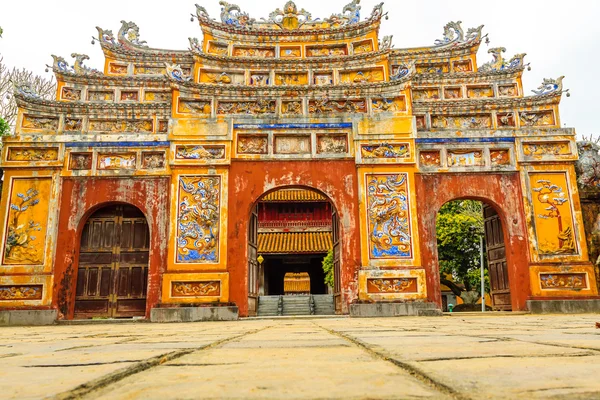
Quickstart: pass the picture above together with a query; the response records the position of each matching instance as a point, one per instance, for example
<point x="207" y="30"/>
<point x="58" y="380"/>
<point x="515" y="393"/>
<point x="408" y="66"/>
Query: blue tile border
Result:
<point x="465" y="140"/>
<point x="294" y="126"/>
<point x="117" y="144"/>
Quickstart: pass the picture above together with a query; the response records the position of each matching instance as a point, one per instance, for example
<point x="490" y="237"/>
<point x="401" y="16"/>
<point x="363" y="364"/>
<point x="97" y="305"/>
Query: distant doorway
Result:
<point x="112" y="276"/>
<point x="291" y="232"/>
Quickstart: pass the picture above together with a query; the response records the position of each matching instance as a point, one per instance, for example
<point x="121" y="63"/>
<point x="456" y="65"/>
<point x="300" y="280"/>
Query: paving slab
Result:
<point x="449" y="357"/>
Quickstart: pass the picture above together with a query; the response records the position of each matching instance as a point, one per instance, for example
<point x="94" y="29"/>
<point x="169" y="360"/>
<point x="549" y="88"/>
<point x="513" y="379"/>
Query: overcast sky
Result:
<point x="559" y="37"/>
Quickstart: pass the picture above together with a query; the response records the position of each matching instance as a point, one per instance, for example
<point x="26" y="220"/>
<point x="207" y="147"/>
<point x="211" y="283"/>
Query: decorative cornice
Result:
<point x="460" y="77"/>
<point x="53" y="106"/>
<point x="444" y="106"/>
<point x="113" y="80"/>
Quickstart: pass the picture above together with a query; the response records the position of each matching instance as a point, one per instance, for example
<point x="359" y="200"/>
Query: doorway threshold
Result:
<point x="101" y="321"/>
<point x="333" y="316"/>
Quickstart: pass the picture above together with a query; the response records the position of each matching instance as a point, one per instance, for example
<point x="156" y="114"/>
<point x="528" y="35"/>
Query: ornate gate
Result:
<point x="112" y="276"/>
<point x="253" y="263"/>
<point x="496" y="258"/>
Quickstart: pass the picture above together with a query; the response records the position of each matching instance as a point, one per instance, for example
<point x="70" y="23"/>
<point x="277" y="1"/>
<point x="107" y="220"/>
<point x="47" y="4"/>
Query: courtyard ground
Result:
<point x="449" y="357"/>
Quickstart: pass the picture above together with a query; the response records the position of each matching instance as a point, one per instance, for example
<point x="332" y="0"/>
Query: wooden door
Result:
<point x="337" y="278"/>
<point x="253" y="263"/>
<point x="496" y="260"/>
<point x="112" y="276"/>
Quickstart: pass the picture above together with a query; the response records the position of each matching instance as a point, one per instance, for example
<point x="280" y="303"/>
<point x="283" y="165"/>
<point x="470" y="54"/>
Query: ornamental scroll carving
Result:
<point x="21" y="292"/>
<point x="392" y="285"/>
<point x="564" y="281"/>
<point x="32" y="154"/>
<point x="195" y="289"/>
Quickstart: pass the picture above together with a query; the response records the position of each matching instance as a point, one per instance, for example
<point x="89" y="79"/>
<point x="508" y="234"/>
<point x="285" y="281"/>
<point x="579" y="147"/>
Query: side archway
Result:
<point x="81" y="198"/>
<point x="502" y="191"/>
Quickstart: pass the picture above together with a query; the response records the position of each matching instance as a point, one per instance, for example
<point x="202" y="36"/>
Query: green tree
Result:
<point x="328" y="268"/>
<point x="459" y="226"/>
<point x="4" y="127"/>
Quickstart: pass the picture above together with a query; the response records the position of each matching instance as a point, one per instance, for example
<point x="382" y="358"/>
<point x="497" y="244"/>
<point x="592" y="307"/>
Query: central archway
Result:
<point x="291" y="231"/>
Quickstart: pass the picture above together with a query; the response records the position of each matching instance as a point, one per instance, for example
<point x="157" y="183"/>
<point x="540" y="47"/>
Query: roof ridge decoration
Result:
<point x="288" y="18"/>
<point x="175" y="72"/>
<point x="25" y="89"/>
<point x="129" y="34"/>
<point x="62" y="66"/>
<point x="454" y="34"/>
<point x="499" y="63"/>
<point x="550" y="85"/>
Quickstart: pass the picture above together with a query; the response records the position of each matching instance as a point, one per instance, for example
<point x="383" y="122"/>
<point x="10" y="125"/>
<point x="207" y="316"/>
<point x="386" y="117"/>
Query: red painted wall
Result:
<point x="500" y="190"/>
<point x="250" y="180"/>
<point x="80" y="198"/>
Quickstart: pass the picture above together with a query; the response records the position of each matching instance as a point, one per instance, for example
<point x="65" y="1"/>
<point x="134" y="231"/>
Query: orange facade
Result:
<point x="195" y="139"/>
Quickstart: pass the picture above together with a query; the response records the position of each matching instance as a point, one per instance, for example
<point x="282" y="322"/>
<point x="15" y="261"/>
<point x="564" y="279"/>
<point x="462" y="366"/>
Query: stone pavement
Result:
<point x="450" y="357"/>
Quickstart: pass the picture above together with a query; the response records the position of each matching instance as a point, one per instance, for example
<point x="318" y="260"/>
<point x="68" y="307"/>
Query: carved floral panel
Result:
<point x="505" y="120"/>
<point x="153" y="160"/>
<point x="143" y="126"/>
<point x="392" y="285"/>
<point x="32" y="154"/>
<point x="219" y="49"/>
<point x="153" y="70"/>
<point x="194" y="107"/>
<point x="80" y="161"/>
<point x="426" y="94"/>
<point x="332" y="144"/>
<point x="268" y="52"/>
<point x="258" y="107"/>
<point x="564" y="281"/>
<point x="116" y="161"/>
<point x="430" y="158"/>
<point x="27" y="221"/>
<point x="289" y="79"/>
<point x="101" y="95"/>
<point x="465" y="158"/>
<point x="362" y="76"/>
<point x="222" y="77"/>
<point x="432" y="68"/>
<point x="199" y="152"/>
<point x="260" y="78"/>
<point x="452" y="93"/>
<point x="37" y="122"/>
<point x="500" y="157"/>
<point x="198" y="219"/>
<point x="295" y="144"/>
<point x="71" y="94"/>
<point x="253" y="144"/>
<point x="361" y="47"/>
<point x="290" y="51"/>
<point x="129" y="95"/>
<point x="157" y="96"/>
<point x="546" y="148"/>
<point x="389" y="105"/>
<point x="536" y="118"/>
<point x="195" y="289"/>
<point x="461" y="122"/>
<point x="462" y="66"/>
<point x="73" y="124"/>
<point x="324" y="106"/>
<point x="478" y="92"/>
<point x="553" y="218"/>
<point x="117" y="69"/>
<point x="21" y="292"/>
<point x="385" y="150"/>
<point x="326" y="51"/>
<point x="291" y="107"/>
<point x="388" y="216"/>
<point x="508" y="90"/>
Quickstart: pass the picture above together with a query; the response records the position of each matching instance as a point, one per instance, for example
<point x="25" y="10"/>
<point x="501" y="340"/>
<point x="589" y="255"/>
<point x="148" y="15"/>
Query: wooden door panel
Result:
<point x="113" y="264"/>
<point x="496" y="258"/>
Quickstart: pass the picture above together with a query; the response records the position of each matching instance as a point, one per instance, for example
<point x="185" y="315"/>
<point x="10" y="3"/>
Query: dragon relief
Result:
<point x="388" y="216"/>
<point x="232" y="15"/>
<point x="325" y="105"/>
<point x="195" y="45"/>
<point x="175" y="72"/>
<point x="550" y="85"/>
<point x="198" y="219"/>
<point x="498" y="62"/>
<point x="350" y="15"/>
<point x="81" y="69"/>
<point x="454" y="34"/>
<point x="130" y="34"/>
